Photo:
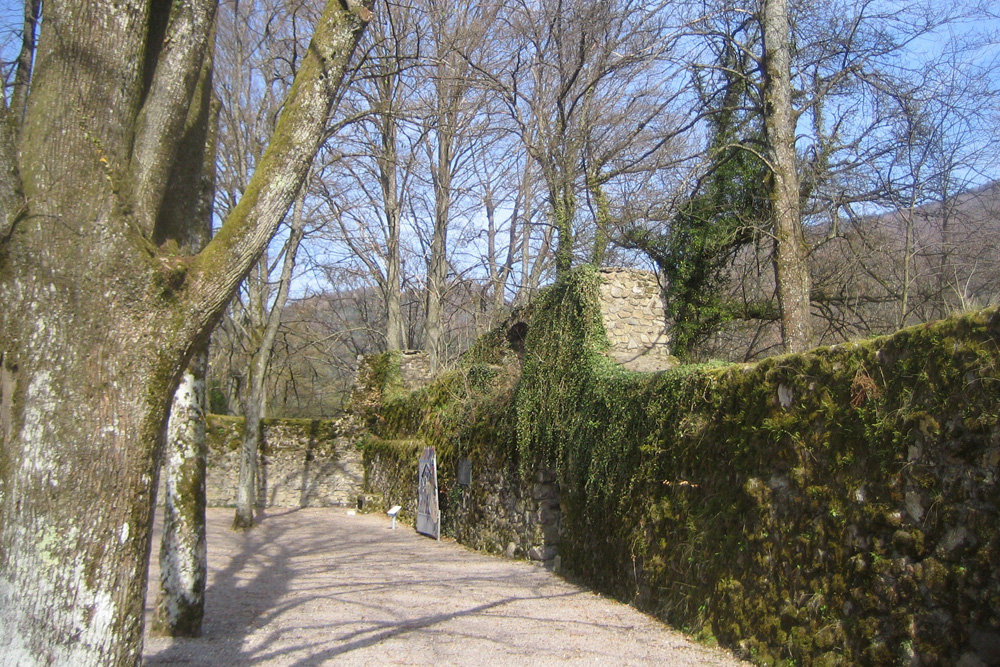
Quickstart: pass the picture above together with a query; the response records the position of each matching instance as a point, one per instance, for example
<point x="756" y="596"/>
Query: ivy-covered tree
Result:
<point x="725" y="211"/>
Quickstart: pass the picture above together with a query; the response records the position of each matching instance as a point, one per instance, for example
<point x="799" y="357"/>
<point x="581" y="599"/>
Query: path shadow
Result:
<point x="280" y="566"/>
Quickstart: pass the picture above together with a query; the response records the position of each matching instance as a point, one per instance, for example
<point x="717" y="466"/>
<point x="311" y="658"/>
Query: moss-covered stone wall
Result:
<point x="465" y="415"/>
<point x="303" y="463"/>
<point x="838" y="507"/>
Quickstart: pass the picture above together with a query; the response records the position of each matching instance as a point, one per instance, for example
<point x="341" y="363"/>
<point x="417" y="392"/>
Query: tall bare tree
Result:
<point x="263" y="315"/>
<point x="577" y="71"/>
<point x="791" y="253"/>
<point x="456" y="103"/>
<point x="382" y="149"/>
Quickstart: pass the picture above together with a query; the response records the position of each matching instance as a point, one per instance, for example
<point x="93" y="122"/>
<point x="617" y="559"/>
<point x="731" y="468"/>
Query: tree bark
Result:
<point x="97" y="322"/>
<point x="254" y="405"/>
<point x="437" y="265"/>
<point x="246" y="485"/>
<point x="180" y="605"/>
<point x="791" y="269"/>
<point x="602" y="219"/>
<point x="387" y="164"/>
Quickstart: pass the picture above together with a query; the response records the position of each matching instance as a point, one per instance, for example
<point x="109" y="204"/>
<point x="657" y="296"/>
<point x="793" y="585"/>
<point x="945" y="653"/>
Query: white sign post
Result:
<point x="428" y="513"/>
<point x="392" y="514"/>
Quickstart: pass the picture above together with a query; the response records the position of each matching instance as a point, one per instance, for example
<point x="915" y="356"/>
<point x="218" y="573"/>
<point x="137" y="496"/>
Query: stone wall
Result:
<point x="303" y="463"/>
<point x="414" y="369"/>
<point x="838" y="507"/>
<point x="497" y="513"/>
<point x="494" y="512"/>
<point x="633" y="312"/>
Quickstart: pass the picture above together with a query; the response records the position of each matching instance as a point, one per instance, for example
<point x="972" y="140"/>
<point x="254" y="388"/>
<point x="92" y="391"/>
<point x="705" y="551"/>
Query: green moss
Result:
<point x="223" y="432"/>
<point x="761" y="503"/>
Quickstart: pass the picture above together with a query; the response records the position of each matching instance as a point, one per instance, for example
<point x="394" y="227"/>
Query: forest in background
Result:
<point x="477" y="148"/>
<point x="469" y="136"/>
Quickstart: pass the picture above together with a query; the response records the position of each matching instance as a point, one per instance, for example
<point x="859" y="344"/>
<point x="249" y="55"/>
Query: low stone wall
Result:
<point x="498" y="513"/>
<point x="390" y="474"/>
<point x="303" y="463"/>
<point x="494" y="512"/>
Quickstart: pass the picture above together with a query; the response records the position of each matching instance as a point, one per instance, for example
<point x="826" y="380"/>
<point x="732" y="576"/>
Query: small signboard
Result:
<point x="428" y="514"/>
<point x="464" y="471"/>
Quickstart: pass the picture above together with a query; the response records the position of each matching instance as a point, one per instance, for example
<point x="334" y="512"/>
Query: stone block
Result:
<point x="542" y="552"/>
<point x="543" y="491"/>
<point x="548" y="516"/>
<point x="986" y="643"/>
<point x="955" y="543"/>
<point x="545" y="475"/>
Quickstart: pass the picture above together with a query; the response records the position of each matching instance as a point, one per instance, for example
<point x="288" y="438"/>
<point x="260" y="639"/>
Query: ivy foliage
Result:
<point x="723" y="214"/>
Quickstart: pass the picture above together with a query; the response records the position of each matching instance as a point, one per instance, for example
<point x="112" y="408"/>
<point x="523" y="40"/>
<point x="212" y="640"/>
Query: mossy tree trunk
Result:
<point x="791" y="253"/>
<point x="563" y="202"/>
<point x="180" y="603"/>
<point x="100" y="313"/>
<point x="246" y="485"/>
<point x="601" y="209"/>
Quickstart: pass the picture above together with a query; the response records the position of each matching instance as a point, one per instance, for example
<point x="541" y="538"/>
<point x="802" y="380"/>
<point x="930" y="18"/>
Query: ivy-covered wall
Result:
<point x="465" y="415"/>
<point x="838" y="507"/>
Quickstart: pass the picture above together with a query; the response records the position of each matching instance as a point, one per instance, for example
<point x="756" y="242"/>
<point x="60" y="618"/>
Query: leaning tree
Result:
<point x="99" y="308"/>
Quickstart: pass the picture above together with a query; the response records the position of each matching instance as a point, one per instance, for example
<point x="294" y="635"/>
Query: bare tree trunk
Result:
<point x="791" y="269"/>
<point x="180" y="606"/>
<point x="395" y="330"/>
<point x="602" y="219"/>
<point x="530" y="271"/>
<point x="904" y="297"/>
<point x="254" y="407"/>
<point x="500" y="273"/>
<point x="507" y="269"/>
<point x="437" y="266"/>
<point x="246" y="486"/>
<point x="541" y="263"/>
<point x="395" y="335"/>
<point x="946" y="279"/>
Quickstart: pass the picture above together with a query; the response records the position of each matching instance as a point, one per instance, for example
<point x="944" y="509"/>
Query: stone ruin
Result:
<point x="415" y="369"/>
<point x="633" y="311"/>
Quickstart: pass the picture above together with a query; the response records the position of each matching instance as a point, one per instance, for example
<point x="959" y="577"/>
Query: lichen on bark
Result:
<point x="180" y="605"/>
<point x="88" y="412"/>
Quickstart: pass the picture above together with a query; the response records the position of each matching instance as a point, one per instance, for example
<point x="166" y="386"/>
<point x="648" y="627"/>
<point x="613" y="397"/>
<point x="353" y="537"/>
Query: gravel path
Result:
<point x="320" y="586"/>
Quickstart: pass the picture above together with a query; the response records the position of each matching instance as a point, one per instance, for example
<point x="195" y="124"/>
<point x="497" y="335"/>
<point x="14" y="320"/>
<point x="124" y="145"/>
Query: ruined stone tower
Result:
<point x="632" y="308"/>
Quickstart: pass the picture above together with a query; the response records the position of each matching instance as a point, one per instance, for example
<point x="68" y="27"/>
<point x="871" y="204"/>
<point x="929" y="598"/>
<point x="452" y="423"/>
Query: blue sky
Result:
<point x="11" y="20"/>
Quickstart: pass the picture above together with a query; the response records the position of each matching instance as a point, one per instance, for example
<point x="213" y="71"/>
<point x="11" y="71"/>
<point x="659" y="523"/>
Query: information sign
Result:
<point x="428" y="514"/>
